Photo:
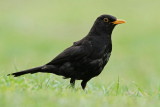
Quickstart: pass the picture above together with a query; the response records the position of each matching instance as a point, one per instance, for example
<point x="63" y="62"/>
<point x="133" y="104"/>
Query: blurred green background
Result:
<point x="33" y="32"/>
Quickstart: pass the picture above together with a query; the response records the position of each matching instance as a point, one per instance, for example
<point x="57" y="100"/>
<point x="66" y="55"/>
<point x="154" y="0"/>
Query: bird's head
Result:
<point x="106" y="23"/>
<point x="108" y="20"/>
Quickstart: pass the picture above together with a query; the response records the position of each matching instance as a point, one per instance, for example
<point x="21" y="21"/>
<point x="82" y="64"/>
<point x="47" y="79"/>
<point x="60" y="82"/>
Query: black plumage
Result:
<point x="86" y="58"/>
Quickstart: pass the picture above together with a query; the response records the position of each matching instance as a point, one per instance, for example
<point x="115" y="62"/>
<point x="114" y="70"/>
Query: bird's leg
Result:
<point x="72" y="82"/>
<point x="83" y="83"/>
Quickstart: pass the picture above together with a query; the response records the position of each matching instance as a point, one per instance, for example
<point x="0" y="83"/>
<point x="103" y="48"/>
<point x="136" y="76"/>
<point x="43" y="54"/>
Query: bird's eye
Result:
<point x="105" y="20"/>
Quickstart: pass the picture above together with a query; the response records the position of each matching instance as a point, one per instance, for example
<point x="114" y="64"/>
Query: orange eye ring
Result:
<point x="105" y="20"/>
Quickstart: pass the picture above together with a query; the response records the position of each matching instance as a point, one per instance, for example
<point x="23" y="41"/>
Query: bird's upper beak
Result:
<point x="119" y="21"/>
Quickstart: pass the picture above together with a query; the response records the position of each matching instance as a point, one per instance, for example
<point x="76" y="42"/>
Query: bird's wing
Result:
<point x="69" y="54"/>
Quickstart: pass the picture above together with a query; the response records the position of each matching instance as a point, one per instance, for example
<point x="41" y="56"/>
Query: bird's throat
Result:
<point x="101" y="31"/>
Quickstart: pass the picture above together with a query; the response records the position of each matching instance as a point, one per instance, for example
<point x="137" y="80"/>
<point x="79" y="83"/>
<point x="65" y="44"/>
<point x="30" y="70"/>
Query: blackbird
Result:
<point x="86" y="58"/>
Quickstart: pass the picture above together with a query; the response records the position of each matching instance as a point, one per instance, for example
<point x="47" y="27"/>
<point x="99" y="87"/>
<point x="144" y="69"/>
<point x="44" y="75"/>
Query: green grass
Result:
<point x="34" y="32"/>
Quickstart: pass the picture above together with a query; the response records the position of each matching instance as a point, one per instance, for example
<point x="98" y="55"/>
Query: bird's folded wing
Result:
<point x="70" y="54"/>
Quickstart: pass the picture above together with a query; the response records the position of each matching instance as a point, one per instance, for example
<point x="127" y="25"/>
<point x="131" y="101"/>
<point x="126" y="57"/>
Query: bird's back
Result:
<point x="84" y="59"/>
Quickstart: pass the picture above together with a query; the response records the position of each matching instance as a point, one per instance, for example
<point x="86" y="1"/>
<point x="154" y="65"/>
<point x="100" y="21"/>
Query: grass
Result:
<point x="34" y="32"/>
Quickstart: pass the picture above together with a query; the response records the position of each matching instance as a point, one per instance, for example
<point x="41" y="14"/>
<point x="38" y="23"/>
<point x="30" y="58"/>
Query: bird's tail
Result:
<point x="28" y="71"/>
<point x="43" y="69"/>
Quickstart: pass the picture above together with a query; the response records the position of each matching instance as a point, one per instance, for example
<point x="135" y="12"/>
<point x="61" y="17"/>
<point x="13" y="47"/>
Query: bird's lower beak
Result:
<point x="119" y="21"/>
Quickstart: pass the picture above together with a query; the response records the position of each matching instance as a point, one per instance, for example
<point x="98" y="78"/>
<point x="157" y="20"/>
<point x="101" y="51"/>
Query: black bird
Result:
<point x="86" y="58"/>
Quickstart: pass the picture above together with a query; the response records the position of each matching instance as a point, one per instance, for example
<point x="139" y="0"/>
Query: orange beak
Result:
<point x="119" y="21"/>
